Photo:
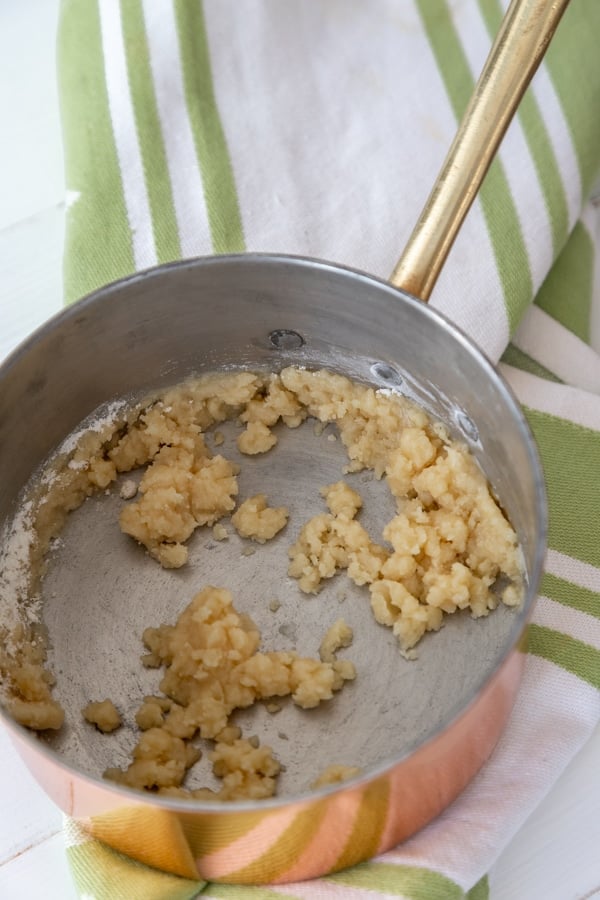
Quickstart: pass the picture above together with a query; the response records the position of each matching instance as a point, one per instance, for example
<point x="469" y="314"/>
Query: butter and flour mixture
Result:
<point x="447" y="547"/>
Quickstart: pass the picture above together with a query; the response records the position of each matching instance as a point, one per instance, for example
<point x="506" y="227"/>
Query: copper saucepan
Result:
<point x="420" y="730"/>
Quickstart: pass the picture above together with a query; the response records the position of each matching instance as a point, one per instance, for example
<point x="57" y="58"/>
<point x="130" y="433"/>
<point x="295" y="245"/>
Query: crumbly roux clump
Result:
<point x="254" y="519"/>
<point x="213" y="666"/>
<point x="103" y="714"/>
<point x="449" y="543"/>
<point x="28" y="682"/>
<point x="335" y="774"/>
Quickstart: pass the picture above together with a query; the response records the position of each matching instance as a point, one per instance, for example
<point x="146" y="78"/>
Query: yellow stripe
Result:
<point x="211" y="833"/>
<point x="368" y="826"/>
<point x="282" y="854"/>
<point x="152" y="836"/>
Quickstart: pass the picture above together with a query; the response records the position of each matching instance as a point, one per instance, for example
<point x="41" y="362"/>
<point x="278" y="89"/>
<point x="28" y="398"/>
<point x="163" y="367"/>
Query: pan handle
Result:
<point x="516" y="53"/>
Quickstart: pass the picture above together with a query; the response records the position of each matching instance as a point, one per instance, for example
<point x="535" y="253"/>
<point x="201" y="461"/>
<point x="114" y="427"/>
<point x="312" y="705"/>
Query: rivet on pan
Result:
<point x="284" y="339"/>
<point x="386" y="373"/>
<point x="467" y="426"/>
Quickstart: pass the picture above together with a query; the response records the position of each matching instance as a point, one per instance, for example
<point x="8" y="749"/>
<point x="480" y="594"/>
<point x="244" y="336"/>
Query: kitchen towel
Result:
<point x="317" y="128"/>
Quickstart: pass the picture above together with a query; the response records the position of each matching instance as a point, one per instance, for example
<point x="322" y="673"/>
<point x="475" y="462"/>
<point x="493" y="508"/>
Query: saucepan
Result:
<point x="418" y="731"/>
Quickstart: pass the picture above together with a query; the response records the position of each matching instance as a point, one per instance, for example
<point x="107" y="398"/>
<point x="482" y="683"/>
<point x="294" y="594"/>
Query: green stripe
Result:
<point x="481" y="891"/>
<point x="405" y="881"/>
<point x="546" y="166"/>
<point x="497" y="203"/>
<point x="571" y="595"/>
<point x="241" y="892"/>
<point x="209" y="139"/>
<point x="538" y="141"/>
<point x="104" y="874"/>
<point x="570" y="457"/>
<point x="567" y="652"/>
<point x="572" y="61"/>
<point x="149" y="133"/>
<point x="567" y="292"/>
<point x="513" y="356"/>
<point x="98" y="245"/>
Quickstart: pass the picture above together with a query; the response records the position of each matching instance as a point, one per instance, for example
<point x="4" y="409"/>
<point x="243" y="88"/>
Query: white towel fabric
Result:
<point x="318" y="128"/>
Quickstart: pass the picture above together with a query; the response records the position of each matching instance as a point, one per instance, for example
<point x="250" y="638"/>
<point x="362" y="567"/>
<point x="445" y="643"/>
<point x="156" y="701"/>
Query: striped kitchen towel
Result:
<point x="317" y="128"/>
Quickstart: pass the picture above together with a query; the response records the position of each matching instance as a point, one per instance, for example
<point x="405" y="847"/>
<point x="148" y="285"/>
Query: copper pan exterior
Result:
<point x="301" y="839"/>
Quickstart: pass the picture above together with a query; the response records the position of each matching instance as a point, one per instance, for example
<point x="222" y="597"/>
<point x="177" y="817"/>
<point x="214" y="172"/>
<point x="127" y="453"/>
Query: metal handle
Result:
<point x="516" y="53"/>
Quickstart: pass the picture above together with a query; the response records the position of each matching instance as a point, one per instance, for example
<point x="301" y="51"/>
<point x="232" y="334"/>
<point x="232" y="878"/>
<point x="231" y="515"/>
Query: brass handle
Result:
<point x="516" y="53"/>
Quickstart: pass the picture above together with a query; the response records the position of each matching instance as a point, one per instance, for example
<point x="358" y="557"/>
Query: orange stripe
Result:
<point x="259" y="844"/>
<point x="349" y="831"/>
<point x="327" y="843"/>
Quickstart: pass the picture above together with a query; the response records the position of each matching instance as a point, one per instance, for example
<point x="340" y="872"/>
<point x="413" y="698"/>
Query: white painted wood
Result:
<point x="30" y="274"/>
<point x="28" y="817"/>
<point x="555" y="856"/>
<point x="31" y="174"/>
<point x="40" y="874"/>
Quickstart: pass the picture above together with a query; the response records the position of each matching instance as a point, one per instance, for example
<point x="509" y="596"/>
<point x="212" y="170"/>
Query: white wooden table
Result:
<point x="556" y="856"/>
